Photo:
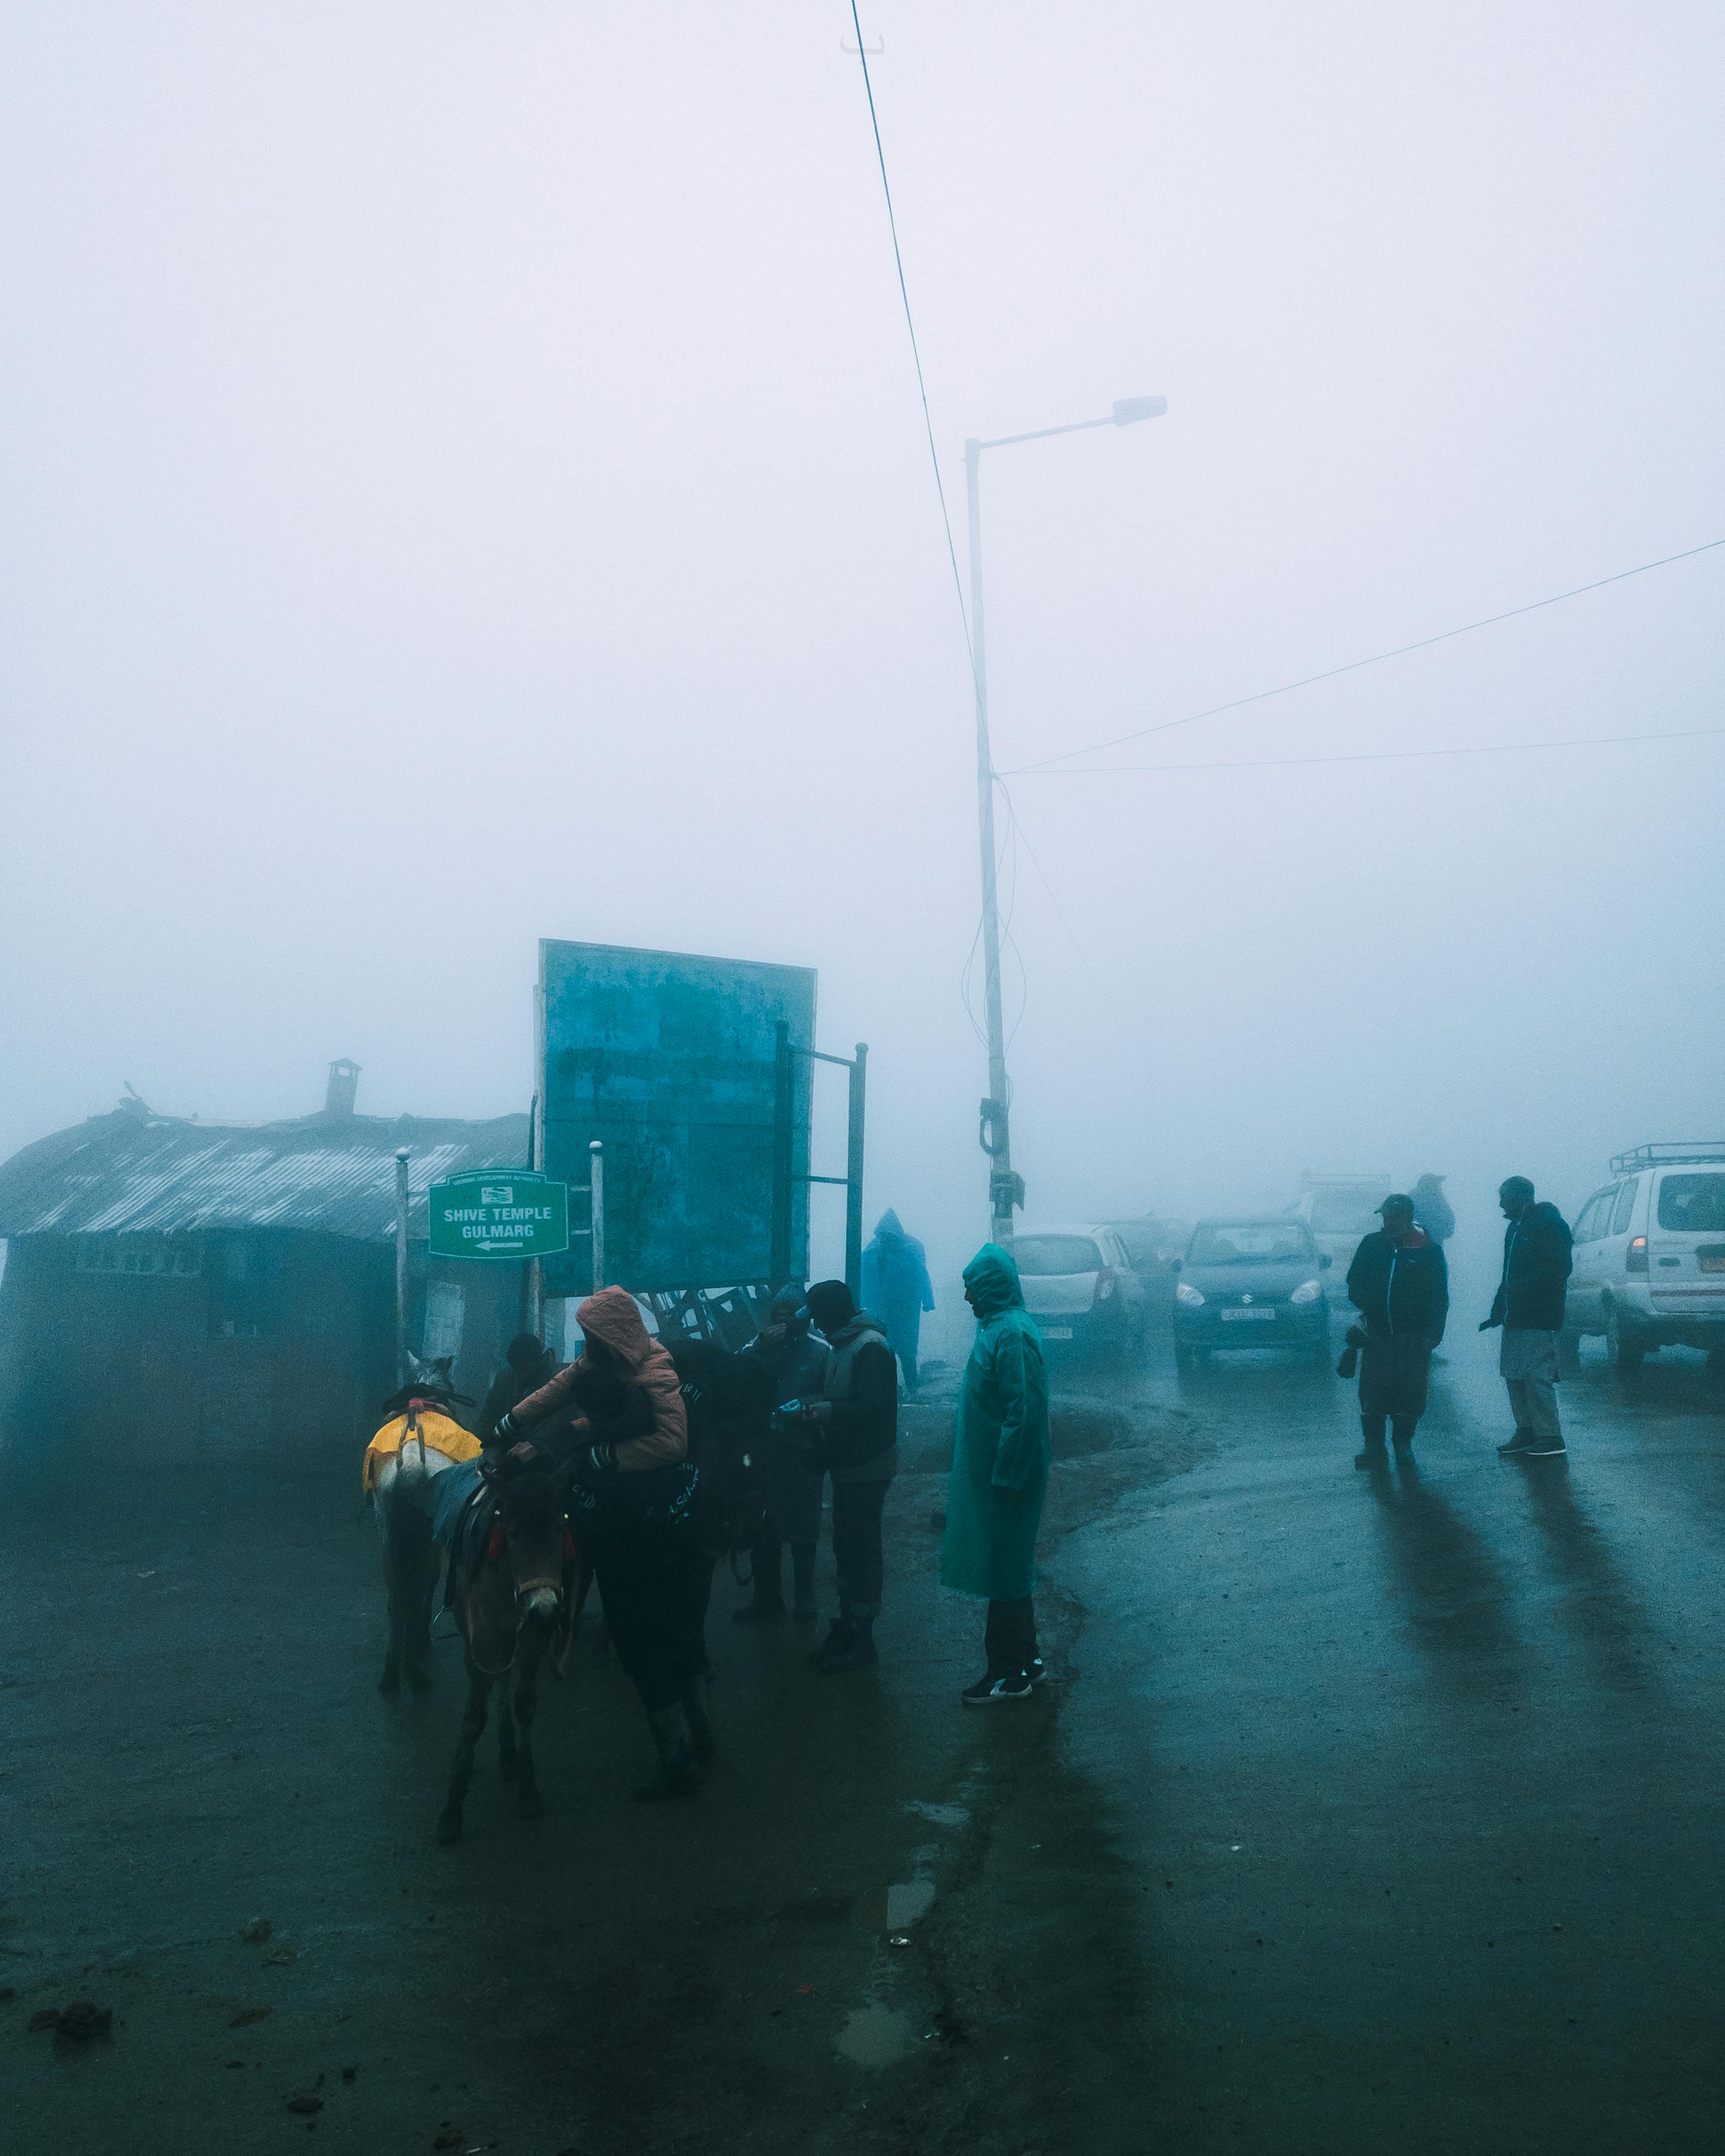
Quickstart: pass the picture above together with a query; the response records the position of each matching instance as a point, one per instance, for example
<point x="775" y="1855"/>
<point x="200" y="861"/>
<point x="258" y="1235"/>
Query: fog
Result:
<point x="466" y="482"/>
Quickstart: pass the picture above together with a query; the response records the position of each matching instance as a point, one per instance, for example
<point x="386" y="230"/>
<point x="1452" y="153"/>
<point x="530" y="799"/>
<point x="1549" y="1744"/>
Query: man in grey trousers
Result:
<point x="1529" y="1307"/>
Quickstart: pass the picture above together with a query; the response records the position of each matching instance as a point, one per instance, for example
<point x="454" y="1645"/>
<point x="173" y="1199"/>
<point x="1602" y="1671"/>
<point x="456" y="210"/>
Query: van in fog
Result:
<point x="1339" y="1210"/>
<point x="1648" y="1264"/>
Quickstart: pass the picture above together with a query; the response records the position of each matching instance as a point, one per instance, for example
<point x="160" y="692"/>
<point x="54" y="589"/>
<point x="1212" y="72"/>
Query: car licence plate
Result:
<point x="1056" y="1331"/>
<point x="1235" y="1317"/>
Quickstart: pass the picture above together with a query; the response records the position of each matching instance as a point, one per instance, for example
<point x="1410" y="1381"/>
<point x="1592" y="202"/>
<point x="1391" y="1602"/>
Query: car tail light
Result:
<point x="1636" y="1261"/>
<point x="1106" y="1282"/>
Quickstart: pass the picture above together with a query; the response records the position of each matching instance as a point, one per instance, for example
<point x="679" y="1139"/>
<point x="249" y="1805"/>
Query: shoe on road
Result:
<point x="858" y="1651"/>
<point x="839" y="1630"/>
<point x="1037" y="1672"/>
<point x="1543" y="1448"/>
<point x="1519" y="1443"/>
<point x="991" y="1692"/>
<point x="1374" y="1456"/>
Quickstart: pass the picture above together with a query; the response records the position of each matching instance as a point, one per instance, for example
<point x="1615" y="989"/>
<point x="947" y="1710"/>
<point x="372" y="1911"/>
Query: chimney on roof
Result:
<point x="343" y="1087"/>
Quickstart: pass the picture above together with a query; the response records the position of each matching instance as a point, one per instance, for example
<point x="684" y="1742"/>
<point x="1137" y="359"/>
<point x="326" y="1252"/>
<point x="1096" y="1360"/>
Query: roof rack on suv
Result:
<point x="1668" y="1152"/>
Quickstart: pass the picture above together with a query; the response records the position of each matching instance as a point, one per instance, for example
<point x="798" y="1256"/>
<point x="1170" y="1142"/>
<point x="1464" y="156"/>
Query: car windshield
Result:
<point x="1344" y="1212"/>
<point x="1692" y="1204"/>
<point x="1040" y="1255"/>
<point x="1250" y="1243"/>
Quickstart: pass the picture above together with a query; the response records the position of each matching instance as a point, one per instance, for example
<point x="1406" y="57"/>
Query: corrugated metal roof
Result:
<point x="131" y="1172"/>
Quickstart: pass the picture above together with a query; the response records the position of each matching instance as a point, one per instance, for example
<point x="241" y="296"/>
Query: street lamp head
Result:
<point x="1127" y="409"/>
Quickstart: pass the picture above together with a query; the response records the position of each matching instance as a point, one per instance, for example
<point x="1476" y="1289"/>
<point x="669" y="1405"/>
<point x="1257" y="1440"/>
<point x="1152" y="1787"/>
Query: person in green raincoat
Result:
<point x="999" y="1475"/>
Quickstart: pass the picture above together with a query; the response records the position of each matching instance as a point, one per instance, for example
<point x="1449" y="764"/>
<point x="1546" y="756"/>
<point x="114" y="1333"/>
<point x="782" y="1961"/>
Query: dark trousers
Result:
<point x="655" y="1598"/>
<point x="1401" y="1426"/>
<point x="1011" y="1638"/>
<point x="856" y="1545"/>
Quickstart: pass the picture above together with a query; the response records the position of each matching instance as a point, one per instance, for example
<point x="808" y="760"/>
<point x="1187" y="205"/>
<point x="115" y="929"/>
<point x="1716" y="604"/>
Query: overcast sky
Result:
<point x="464" y="481"/>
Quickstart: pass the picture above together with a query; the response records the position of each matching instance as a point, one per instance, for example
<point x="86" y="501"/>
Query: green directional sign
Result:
<point x="499" y="1212"/>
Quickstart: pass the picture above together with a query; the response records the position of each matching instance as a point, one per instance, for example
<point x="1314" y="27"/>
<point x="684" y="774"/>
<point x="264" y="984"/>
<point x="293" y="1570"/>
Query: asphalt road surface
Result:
<point x="1364" y="1812"/>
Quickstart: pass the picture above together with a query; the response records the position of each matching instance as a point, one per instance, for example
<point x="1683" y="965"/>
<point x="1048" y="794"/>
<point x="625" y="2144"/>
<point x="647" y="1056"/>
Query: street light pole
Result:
<point x="996" y="1125"/>
<point x="1006" y="1188"/>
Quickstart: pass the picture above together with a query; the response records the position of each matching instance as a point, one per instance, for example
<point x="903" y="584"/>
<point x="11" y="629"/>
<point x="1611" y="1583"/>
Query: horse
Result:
<point x="419" y="1442"/>
<point x="515" y="1578"/>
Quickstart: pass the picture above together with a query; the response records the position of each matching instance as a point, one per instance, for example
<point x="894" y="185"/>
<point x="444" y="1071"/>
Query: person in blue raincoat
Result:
<point x="895" y="1288"/>
<point x="999" y="1475"/>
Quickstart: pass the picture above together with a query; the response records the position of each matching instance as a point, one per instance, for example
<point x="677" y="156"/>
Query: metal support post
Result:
<point x="596" y="1210"/>
<point x="853" y="1172"/>
<point x="401" y="1264"/>
<point x="785" y="1109"/>
<point x="533" y="1283"/>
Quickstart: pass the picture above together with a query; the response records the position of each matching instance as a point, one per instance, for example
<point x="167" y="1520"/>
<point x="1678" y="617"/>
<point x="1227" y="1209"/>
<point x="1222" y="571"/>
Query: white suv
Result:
<point x="1649" y="1266"/>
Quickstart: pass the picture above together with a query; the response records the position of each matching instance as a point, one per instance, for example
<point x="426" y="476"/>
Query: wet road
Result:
<point x="1417" y="1775"/>
<point x="1363" y="1812"/>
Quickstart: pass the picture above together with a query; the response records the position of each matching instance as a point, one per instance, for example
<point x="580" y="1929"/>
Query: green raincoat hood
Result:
<point x="990" y="1280"/>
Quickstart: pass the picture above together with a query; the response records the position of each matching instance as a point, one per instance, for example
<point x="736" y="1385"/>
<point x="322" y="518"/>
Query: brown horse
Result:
<point x="514" y="1597"/>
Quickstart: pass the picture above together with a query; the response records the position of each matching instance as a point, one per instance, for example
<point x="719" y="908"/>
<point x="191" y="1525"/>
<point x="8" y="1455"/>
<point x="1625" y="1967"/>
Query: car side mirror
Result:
<point x="1174" y="1264"/>
<point x="1325" y="1260"/>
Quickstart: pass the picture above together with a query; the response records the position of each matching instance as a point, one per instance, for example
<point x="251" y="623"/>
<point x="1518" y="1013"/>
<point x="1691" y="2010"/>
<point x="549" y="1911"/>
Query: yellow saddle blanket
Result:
<point x="441" y="1434"/>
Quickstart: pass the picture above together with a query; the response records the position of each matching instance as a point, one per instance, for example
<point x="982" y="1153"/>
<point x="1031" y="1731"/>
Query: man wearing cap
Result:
<point x="1400" y="1286"/>
<point x="1529" y="1307"/>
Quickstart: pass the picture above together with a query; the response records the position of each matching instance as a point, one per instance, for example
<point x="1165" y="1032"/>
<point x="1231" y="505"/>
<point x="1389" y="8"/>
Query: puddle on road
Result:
<point x="894" y="1909"/>
<point x="940" y="1815"/>
<point x="905" y="1904"/>
<point x="874" y="2035"/>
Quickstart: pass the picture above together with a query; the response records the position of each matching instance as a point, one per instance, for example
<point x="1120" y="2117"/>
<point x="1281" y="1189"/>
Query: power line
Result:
<point x="910" y="324"/>
<point x="1353" y="666"/>
<point x="1378" y="755"/>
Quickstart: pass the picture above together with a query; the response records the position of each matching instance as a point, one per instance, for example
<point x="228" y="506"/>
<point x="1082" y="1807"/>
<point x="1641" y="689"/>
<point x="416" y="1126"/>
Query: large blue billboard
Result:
<point x="669" y="1060"/>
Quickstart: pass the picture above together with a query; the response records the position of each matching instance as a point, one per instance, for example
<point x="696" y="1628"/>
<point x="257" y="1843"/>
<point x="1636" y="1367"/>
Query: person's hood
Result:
<point x="991" y="1281"/>
<point x="613" y="1316"/>
<point x="853" y="1329"/>
<point x="889" y="1224"/>
<point x="1429" y="1183"/>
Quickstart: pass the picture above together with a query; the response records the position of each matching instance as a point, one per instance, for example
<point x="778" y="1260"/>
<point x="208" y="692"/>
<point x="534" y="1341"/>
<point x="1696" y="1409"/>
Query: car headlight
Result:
<point x="1307" y="1292"/>
<point x="1185" y="1292"/>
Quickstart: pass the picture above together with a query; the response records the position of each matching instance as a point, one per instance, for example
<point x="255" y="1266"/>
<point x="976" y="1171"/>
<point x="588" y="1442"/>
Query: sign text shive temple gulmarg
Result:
<point x="494" y="1212"/>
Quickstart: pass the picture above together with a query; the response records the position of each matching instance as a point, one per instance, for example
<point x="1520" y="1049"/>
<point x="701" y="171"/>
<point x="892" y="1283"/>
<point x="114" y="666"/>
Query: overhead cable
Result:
<point x="1353" y="666"/>
<point x="903" y="293"/>
<point x="1377" y="755"/>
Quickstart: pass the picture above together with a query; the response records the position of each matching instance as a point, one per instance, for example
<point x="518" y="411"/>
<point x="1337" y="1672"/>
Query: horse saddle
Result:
<point x="473" y="1527"/>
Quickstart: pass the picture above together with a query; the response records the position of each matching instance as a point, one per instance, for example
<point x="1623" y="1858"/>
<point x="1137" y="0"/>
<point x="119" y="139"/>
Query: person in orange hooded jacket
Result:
<point x="616" y="1414"/>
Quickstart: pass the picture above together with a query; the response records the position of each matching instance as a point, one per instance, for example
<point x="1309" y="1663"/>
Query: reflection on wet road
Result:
<point x="1417" y="1769"/>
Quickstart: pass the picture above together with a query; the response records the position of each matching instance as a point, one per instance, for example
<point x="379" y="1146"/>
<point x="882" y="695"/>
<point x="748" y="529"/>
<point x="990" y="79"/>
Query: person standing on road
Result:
<point x="854" y="1426"/>
<point x="1432" y="1210"/>
<point x="793" y="1487"/>
<point x="999" y="1476"/>
<point x="1529" y="1307"/>
<point x="527" y="1364"/>
<point x="895" y="1282"/>
<point x="1400" y="1286"/>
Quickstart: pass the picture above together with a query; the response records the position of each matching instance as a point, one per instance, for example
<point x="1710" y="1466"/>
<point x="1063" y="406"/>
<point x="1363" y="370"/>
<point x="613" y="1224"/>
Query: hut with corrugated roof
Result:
<point x="186" y="1289"/>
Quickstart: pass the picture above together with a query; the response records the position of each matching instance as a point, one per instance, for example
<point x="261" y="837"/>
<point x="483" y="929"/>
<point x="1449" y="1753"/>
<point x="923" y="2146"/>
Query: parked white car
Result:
<point x="1079" y="1287"/>
<point x="1649" y="1265"/>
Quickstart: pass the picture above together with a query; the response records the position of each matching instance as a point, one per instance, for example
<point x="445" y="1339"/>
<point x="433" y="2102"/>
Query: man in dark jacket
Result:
<point x="799" y="1369"/>
<point x="1400" y="1286"/>
<point x="1529" y="1307"/>
<point x="855" y="1425"/>
<point x="527" y="1364"/>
